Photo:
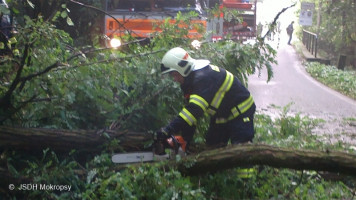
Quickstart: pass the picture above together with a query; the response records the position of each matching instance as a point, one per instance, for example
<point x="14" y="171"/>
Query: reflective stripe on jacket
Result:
<point x="215" y="91"/>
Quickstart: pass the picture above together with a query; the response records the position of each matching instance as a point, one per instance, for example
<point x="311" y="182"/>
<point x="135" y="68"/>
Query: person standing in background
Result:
<point x="290" y="30"/>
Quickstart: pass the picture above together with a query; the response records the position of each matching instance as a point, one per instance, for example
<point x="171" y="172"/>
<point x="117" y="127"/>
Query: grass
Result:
<point x="342" y="81"/>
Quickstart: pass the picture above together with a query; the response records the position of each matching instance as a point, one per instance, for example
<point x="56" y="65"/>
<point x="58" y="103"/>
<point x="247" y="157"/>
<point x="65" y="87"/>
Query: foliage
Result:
<point x="48" y="169"/>
<point x="99" y="178"/>
<point x="24" y="77"/>
<point x="290" y="129"/>
<point x="270" y="183"/>
<point x="81" y="23"/>
<point x="53" y="84"/>
<point x="143" y="182"/>
<point x="336" y="30"/>
<point x="240" y="59"/>
<point x="86" y="88"/>
<point x="175" y="33"/>
<point x="342" y="81"/>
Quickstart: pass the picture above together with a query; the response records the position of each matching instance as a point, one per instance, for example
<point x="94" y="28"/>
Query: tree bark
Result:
<point x="34" y="139"/>
<point x="204" y="162"/>
<point x="260" y="154"/>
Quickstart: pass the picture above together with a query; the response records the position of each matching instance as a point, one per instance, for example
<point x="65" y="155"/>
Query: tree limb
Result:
<point x="120" y="58"/>
<point x="46" y="70"/>
<point x="209" y="161"/>
<point x="37" y="139"/>
<point x="261" y="154"/>
<point x="5" y="100"/>
<point x="275" y="20"/>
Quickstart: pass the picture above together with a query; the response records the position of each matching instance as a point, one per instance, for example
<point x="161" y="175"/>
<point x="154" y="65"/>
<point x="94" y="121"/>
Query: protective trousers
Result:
<point x="238" y="130"/>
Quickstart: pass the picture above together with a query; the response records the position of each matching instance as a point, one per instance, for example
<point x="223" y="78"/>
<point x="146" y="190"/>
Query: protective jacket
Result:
<point x="211" y="90"/>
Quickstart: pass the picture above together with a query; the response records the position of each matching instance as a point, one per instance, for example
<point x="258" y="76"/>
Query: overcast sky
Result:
<point x="267" y="10"/>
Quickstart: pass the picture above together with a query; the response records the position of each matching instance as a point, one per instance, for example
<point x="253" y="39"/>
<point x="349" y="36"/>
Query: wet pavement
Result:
<point x="291" y="84"/>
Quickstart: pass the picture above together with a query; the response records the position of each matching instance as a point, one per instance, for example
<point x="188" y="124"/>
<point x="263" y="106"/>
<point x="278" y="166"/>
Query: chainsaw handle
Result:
<point x="159" y="147"/>
<point x="170" y="142"/>
<point x="176" y="144"/>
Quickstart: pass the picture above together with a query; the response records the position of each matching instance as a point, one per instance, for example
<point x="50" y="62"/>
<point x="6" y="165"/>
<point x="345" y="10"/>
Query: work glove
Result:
<point x="161" y="134"/>
<point x="160" y="141"/>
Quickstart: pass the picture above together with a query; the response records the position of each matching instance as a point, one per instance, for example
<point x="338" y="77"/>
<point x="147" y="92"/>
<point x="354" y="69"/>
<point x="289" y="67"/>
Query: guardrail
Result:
<point x="310" y="41"/>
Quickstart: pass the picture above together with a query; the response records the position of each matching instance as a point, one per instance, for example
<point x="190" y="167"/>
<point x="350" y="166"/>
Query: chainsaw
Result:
<point x="161" y="150"/>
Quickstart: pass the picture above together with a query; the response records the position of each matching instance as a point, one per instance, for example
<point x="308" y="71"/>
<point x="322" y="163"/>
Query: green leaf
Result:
<point x="106" y="135"/>
<point x="15" y="11"/>
<point x="69" y="21"/>
<point x="64" y="14"/>
<point x="12" y="170"/>
<point x="91" y="175"/>
<point x="31" y="4"/>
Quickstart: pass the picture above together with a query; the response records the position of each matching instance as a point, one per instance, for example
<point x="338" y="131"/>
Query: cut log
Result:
<point x="33" y="139"/>
<point x="260" y="154"/>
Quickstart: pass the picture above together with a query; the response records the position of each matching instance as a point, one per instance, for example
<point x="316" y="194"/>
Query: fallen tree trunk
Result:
<point x="207" y="161"/>
<point x="33" y="139"/>
<point x="260" y="154"/>
<point x="214" y="160"/>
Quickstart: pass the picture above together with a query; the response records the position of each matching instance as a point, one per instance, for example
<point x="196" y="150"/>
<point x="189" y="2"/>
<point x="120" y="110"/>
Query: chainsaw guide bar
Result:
<point x="137" y="157"/>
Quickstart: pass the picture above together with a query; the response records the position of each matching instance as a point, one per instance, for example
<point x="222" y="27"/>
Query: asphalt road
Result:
<point x="292" y="84"/>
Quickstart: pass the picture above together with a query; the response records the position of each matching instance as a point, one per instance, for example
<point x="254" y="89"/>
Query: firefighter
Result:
<point x="213" y="90"/>
<point x="7" y="37"/>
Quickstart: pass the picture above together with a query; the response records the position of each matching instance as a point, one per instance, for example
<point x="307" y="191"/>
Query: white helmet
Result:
<point x="177" y="59"/>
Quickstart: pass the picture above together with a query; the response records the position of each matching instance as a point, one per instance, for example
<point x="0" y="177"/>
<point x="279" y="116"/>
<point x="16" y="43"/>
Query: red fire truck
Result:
<point x="238" y="29"/>
<point x="141" y="18"/>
